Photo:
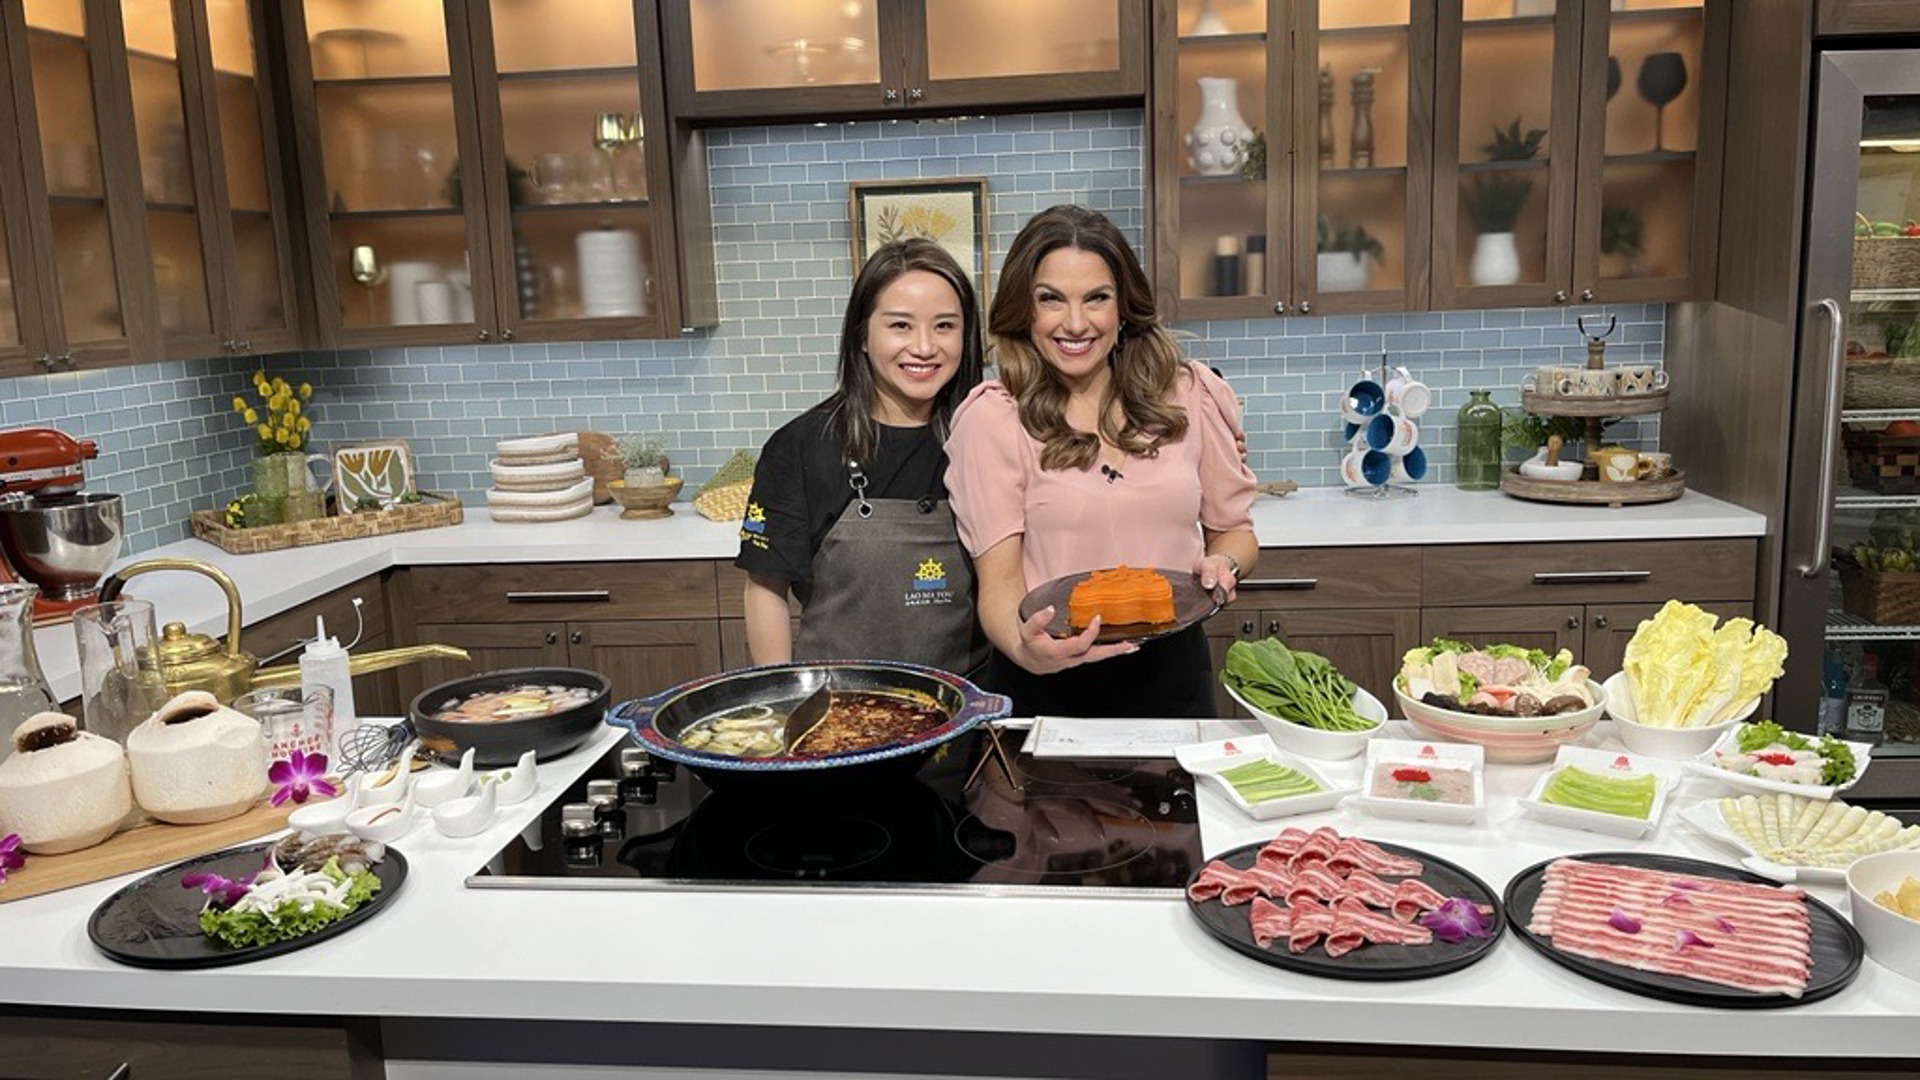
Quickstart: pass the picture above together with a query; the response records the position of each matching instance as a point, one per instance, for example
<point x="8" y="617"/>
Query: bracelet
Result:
<point x="1231" y="562"/>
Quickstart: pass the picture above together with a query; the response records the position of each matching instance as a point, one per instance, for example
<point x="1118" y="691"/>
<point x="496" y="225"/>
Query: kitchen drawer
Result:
<point x="552" y="592"/>
<point x="276" y="639"/>
<point x="1349" y="577"/>
<point x="1649" y="571"/>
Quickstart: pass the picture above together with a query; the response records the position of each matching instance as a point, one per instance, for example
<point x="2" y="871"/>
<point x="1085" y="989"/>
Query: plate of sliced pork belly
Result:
<point x="1684" y="930"/>
<point x="1326" y="904"/>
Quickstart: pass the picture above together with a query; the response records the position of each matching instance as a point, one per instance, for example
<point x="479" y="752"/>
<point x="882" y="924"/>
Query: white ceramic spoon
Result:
<point x="439" y="786"/>
<point x="375" y="793"/>
<point x="385" y="822"/>
<point x="517" y="783"/>
<point x="467" y="816"/>
<point x="327" y="818"/>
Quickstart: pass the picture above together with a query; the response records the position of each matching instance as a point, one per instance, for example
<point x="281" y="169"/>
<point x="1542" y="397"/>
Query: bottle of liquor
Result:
<point x="1833" y="700"/>
<point x="1866" y="702"/>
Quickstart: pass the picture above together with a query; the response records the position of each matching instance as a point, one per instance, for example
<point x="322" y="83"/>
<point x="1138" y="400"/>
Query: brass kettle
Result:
<point x="190" y="661"/>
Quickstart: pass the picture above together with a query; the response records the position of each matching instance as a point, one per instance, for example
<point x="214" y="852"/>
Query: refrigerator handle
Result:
<point x="1836" y="368"/>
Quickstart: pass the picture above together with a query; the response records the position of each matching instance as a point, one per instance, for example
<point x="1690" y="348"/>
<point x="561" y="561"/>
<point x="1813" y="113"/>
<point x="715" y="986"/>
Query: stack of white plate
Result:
<point x="540" y="478"/>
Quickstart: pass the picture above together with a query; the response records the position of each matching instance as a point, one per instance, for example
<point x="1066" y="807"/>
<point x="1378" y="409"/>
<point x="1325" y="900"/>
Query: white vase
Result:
<point x="1340" y="271"/>
<point x="1208" y="21"/>
<point x="1218" y="140"/>
<point x="1496" y="260"/>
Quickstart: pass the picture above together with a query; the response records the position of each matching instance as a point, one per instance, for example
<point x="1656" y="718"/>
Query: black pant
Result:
<point x="1168" y="677"/>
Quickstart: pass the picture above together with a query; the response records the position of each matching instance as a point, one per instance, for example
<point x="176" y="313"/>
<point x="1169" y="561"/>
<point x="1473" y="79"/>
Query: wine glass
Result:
<point x="366" y="269"/>
<point x="1662" y="76"/>
<point x="612" y="131"/>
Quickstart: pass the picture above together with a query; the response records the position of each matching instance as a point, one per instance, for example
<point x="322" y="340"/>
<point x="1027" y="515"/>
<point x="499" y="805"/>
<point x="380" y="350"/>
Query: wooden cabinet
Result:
<point x="498" y="171"/>
<point x="1577" y="152"/>
<point x="149" y="200"/>
<point x="646" y="626"/>
<point x="749" y="59"/>
<point x="1320" y="206"/>
<point x="278" y="639"/>
<point x="1841" y="17"/>
<point x="43" y="1044"/>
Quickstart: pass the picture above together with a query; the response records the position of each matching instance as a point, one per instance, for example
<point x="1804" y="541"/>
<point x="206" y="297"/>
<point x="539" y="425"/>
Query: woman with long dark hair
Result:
<point x="1097" y="446"/>
<point x="849" y="504"/>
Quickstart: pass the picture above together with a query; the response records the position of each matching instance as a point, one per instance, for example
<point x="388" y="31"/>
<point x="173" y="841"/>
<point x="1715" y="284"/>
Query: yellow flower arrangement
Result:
<point x="285" y="426"/>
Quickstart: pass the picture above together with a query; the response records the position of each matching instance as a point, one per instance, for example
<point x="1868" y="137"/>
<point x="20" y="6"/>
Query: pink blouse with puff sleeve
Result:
<point x="1074" y="519"/>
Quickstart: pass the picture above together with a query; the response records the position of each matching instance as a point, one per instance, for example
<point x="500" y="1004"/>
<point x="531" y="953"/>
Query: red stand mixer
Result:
<point x="52" y="534"/>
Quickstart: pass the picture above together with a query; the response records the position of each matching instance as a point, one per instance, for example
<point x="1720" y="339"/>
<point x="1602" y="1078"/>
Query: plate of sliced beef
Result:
<point x="1684" y="930"/>
<point x="1346" y="908"/>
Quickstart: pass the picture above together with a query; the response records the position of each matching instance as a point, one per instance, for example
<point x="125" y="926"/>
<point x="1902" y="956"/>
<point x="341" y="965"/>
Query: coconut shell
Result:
<point x="62" y="789"/>
<point x="196" y="760"/>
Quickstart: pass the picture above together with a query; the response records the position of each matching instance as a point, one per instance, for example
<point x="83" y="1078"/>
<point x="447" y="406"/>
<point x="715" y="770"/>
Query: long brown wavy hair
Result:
<point x="850" y="409"/>
<point x="1145" y="361"/>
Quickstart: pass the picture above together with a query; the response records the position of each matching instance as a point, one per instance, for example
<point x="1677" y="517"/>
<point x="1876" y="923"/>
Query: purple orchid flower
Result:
<point x="11" y="857"/>
<point x="300" y="776"/>
<point x="224" y="891"/>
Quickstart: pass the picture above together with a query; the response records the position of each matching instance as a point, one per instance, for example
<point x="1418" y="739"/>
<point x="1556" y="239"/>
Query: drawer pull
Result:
<point x="1300" y="583"/>
<point x="1591" y="577"/>
<point x="561" y="596"/>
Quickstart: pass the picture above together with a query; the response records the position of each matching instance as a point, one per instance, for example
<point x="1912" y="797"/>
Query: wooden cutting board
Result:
<point x="142" y="847"/>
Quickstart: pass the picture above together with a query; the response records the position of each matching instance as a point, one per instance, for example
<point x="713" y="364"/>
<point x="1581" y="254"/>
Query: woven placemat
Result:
<point x="431" y="512"/>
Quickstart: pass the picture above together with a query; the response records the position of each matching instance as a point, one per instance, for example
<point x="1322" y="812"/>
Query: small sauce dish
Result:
<point x="376" y="790"/>
<point x="440" y="786"/>
<point x="516" y="783"/>
<point x="469" y="815"/>
<point x="384" y="823"/>
<point x="327" y="818"/>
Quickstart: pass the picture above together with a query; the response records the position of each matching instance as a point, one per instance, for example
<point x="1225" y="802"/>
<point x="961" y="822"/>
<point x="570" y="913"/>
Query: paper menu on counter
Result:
<point x="1075" y="737"/>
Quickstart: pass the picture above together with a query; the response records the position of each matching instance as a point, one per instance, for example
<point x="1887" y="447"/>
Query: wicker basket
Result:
<point x="431" y="512"/>
<point x="726" y="503"/>
<point x="1882" y="383"/>
<point x="1883" y="463"/>
<point x="1881" y="598"/>
<point x="1886" y="262"/>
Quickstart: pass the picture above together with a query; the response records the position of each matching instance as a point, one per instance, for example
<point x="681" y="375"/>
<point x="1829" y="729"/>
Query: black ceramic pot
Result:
<point x="501" y="743"/>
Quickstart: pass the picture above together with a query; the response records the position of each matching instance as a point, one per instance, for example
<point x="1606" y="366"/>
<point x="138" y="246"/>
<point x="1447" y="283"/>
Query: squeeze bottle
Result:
<point x="324" y="663"/>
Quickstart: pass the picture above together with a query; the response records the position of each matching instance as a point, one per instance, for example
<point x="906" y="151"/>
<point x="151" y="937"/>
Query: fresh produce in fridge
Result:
<point x="1294" y="685"/>
<point x="1688" y="672"/>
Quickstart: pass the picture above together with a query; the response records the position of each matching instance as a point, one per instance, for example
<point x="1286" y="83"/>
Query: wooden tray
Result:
<point x="144" y="846"/>
<point x="1592" y="492"/>
<point x="431" y="512"/>
<point x="1615" y="405"/>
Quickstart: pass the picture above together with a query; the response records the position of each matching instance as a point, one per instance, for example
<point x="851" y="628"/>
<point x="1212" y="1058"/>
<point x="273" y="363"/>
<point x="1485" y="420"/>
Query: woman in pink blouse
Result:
<point x="1097" y="446"/>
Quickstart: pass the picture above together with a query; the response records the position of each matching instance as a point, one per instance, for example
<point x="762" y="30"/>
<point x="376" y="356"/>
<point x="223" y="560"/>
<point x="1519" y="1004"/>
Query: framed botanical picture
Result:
<point x="952" y="213"/>
<point x="372" y="475"/>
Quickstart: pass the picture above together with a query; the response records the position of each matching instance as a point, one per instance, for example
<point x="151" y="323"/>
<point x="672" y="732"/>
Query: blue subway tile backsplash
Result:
<point x="170" y="443"/>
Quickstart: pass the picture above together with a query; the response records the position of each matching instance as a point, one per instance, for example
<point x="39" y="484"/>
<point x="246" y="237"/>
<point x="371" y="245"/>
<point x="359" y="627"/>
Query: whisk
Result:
<point x="371" y="747"/>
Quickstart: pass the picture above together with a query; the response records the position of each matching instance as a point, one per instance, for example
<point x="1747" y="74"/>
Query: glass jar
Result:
<point x="1477" y="458"/>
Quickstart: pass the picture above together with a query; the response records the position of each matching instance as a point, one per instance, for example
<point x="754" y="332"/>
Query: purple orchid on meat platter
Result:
<point x="300" y="777"/>
<point x="11" y="857"/>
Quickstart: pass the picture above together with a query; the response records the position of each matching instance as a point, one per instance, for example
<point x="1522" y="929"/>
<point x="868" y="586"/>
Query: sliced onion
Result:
<point x="1623" y="922"/>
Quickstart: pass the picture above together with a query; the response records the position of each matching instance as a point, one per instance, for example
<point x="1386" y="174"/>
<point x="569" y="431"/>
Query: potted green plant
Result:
<point x="1620" y="233"/>
<point x="645" y="458"/>
<point x="1341" y="265"/>
<point x="1494" y="202"/>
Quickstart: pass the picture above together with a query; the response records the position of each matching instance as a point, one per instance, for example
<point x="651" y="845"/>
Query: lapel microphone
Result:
<point x="1112" y="473"/>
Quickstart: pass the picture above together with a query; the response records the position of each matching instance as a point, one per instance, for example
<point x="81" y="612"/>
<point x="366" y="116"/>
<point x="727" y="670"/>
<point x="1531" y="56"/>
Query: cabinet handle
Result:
<point x="1246" y="627"/>
<point x="916" y="94"/>
<point x="1586" y="295"/>
<point x="1560" y="296"/>
<point x="1591" y="577"/>
<point x="1300" y="583"/>
<point x="1823" y="505"/>
<point x="892" y="95"/>
<point x="1280" y="308"/>
<point x="227" y="345"/>
<point x="484" y="335"/>
<point x="243" y="345"/>
<point x="45" y="362"/>
<point x="574" y="638"/>
<point x="561" y="596"/>
<point x="1273" y="627"/>
<point x="1306" y="307"/>
<point x="1573" y="622"/>
<point x="553" y="637"/>
<point x="506" y="335"/>
<point x="124" y="1072"/>
<point x="1599" y="622"/>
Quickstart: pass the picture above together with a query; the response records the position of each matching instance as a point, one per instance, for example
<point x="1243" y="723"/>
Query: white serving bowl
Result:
<point x="1662" y="742"/>
<point x="1560" y="470"/>
<point x="1314" y="742"/>
<point x="1507" y="739"/>
<point x="1893" y="940"/>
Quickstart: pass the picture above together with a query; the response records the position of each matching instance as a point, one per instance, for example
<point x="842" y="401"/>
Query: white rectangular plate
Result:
<point x="1416" y="752"/>
<point x="1209" y="760"/>
<point x="1666" y="775"/>
<point x="1703" y="766"/>
<point x="1705" y="816"/>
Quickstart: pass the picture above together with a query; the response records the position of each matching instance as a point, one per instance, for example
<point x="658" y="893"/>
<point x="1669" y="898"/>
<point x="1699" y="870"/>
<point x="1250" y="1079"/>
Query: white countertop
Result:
<point x="272" y="582"/>
<point x="964" y="962"/>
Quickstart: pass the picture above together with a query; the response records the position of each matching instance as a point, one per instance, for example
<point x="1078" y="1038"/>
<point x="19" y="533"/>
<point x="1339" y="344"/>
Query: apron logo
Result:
<point x="931" y="575"/>
<point x="755" y="520"/>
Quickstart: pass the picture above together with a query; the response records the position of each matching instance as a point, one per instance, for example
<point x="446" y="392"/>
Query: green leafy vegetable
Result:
<point x="1299" y="686"/>
<point x="292" y="918"/>
<point x="1837" y="763"/>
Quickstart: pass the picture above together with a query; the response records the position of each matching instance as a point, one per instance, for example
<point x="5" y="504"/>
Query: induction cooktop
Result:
<point x="971" y="820"/>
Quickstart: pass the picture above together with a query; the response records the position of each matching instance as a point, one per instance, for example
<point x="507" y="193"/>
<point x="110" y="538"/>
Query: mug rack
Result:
<point x="1405" y="465"/>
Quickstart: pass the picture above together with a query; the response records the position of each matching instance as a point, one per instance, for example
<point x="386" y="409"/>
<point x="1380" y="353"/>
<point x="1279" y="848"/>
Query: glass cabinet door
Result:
<point x="258" y="271"/>
<point x="173" y="215"/>
<point x="85" y="303"/>
<point x="1505" y="151"/>
<point x="964" y="51"/>
<point x="1224" y="197"/>
<point x="1363" y="209"/>
<point x="1644" y="181"/>
<point x="19" y="301"/>
<point x="398" y="188"/>
<point x="569" y="165"/>
<point x="784" y="56"/>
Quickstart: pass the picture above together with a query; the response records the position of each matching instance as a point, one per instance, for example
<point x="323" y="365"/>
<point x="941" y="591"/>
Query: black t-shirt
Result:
<point x="800" y="487"/>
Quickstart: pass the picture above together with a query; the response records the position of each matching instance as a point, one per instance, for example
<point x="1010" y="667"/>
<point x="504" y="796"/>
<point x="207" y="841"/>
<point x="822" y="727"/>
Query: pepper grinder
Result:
<point x="1360" y="152"/>
<point x="1326" y="116"/>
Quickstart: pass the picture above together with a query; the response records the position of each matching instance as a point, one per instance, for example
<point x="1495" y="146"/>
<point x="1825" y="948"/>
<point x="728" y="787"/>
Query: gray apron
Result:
<point x="891" y="582"/>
